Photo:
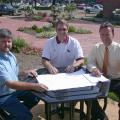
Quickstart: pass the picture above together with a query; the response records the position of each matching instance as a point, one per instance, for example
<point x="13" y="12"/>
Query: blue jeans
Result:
<point x="20" y="110"/>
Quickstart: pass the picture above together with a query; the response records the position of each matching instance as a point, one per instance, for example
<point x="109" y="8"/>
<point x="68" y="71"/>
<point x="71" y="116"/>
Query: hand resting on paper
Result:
<point x="95" y="72"/>
<point x="40" y="87"/>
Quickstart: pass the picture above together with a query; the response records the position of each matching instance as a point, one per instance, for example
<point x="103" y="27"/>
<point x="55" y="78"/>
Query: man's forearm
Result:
<point x="47" y="64"/>
<point x="78" y="63"/>
<point x="21" y="85"/>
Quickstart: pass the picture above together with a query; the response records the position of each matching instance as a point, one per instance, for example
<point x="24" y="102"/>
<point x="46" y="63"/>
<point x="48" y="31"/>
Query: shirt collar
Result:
<point x="6" y="56"/>
<point x="66" y="39"/>
<point x="110" y="46"/>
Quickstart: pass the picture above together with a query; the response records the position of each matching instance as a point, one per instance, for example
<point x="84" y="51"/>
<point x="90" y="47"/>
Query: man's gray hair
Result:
<point x="61" y="22"/>
<point x="5" y="33"/>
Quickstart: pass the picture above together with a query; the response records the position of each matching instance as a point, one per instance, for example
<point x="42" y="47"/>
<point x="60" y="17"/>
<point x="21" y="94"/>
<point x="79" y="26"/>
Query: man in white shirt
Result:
<point x="62" y="51"/>
<point x="95" y="63"/>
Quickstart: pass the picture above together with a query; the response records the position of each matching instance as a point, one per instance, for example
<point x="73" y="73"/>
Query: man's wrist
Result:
<point x="93" y="68"/>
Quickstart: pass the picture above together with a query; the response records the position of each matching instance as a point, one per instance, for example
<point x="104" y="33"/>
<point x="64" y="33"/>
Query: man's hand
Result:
<point x="53" y="70"/>
<point x="32" y="73"/>
<point x="70" y="69"/>
<point x="95" y="72"/>
<point x="40" y="87"/>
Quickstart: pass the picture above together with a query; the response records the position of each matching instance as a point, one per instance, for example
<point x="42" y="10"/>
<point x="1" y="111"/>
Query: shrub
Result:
<point x="37" y="18"/>
<point x="18" y="44"/>
<point x="83" y="31"/>
<point x="47" y="34"/>
<point x="39" y="30"/>
<point x="70" y="8"/>
<point x="31" y="51"/>
<point x="20" y="29"/>
<point x="42" y="8"/>
<point x="44" y="14"/>
<point x="72" y="29"/>
<point x="79" y="31"/>
<point x="24" y="29"/>
<point x="34" y="27"/>
<point x="48" y="28"/>
<point x="113" y="96"/>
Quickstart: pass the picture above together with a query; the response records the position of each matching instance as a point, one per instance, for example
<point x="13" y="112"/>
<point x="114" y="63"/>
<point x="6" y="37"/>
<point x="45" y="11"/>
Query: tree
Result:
<point x="53" y="2"/>
<point x="35" y="2"/>
<point x="70" y="8"/>
<point x="11" y="1"/>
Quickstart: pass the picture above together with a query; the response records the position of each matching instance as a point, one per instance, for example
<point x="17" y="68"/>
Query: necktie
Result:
<point x="105" y="62"/>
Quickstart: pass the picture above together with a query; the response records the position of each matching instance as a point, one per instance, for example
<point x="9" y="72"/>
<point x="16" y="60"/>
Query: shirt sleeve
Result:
<point x="91" y="60"/>
<point x="78" y="51"/>
<point x="4" y="76"/>
<point x="46" y="51"/>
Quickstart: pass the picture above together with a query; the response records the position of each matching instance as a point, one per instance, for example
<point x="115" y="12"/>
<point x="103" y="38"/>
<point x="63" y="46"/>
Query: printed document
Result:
<point x="62" y="81"/>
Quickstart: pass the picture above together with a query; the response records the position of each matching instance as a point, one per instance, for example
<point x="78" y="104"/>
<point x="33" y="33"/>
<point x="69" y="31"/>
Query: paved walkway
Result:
<point x="86" y="40"/>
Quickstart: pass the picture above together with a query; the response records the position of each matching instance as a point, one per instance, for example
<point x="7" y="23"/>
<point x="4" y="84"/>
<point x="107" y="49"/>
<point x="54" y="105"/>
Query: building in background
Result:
<point x="109" y="6"/>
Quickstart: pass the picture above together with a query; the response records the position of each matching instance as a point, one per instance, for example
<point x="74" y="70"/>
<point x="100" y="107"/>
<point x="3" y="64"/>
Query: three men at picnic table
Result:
<point x="60" y="52"/>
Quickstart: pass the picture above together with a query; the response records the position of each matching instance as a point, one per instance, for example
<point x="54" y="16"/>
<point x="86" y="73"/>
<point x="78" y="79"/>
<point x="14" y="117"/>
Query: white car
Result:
<point x="94" y="9"/>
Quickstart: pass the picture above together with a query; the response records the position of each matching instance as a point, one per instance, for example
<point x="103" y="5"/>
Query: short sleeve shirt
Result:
<point x="62" y="54"/>
<point x="8" y="72"/>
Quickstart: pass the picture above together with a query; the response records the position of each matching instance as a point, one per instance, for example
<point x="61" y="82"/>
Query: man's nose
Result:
<point x="6" y="43"/>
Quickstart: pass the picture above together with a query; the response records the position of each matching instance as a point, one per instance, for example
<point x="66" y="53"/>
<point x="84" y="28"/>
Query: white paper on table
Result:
<point x="94" y="79"/>
<point x="79" y="72"/>
<point x="64" y="81"/>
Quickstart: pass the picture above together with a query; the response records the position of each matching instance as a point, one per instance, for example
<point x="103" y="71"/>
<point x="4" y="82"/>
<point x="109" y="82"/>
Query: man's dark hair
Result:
<point x="106" y="25"/>
<point x="5" y="33"/>
<point x="61" y="22"/>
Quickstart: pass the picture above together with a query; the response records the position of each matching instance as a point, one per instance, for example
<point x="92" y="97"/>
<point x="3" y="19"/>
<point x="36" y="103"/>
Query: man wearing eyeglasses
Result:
<point x="62" y="51"/>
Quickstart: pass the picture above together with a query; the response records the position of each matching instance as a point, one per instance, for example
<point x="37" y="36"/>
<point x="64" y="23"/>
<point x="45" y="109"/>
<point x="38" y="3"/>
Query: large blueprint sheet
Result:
<point x="69" y="80"/>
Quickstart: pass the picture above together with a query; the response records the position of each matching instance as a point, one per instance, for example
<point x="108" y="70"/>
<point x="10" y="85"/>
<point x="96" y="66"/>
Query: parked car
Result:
<point x="7" y="9"/>
<point x="94" y="9"/>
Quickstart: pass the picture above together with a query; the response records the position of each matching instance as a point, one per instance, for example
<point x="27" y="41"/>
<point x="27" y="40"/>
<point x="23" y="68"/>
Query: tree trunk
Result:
<point x="35" y="3"/>
<point x="11" y="2"/>
<point x="54" y="1"/>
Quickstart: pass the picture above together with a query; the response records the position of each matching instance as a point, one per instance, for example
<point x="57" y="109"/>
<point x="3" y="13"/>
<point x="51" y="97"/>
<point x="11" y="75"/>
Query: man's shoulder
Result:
<point x="51" y="40"/>
<point x="12" y="55"/>
<point x="97" y="45"/>
<point x="73" y="40"/>
<point x="115" y="44"/>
